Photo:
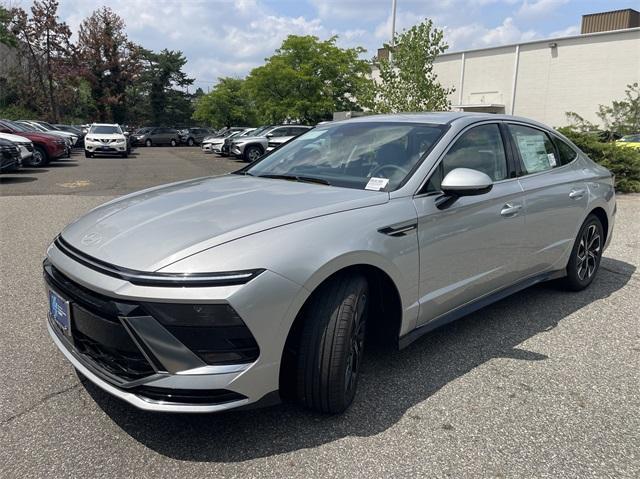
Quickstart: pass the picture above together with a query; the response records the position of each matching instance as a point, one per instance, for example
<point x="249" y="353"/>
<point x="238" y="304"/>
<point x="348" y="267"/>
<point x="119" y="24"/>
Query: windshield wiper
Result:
<point x="303" y="179"/>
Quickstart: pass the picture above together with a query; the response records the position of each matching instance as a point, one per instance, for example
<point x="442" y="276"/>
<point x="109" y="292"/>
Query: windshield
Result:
<point x="631" y="138"/>
<point x="142" y="131"/>
<point x="105" y="130"/>
<point x="249" y="132"/>
<point x="374" y="156"/>
<point x="18" y="126"/>
<point x="258" y="131"/>
<point x="47" y="125"/>
<point x="31" y="126"/>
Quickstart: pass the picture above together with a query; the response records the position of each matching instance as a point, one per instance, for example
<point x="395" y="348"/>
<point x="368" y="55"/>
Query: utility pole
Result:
<point x="393" y="28"/>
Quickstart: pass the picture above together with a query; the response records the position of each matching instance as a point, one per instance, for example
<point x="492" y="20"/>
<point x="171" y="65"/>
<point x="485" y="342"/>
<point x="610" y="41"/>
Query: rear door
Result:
<point x="470" y="247"/>
<point x="555" y="196"/>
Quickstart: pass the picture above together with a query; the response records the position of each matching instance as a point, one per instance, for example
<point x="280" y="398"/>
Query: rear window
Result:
<point x="566" y="153"/>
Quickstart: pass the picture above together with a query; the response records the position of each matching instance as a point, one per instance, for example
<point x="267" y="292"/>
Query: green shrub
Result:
<point x="621" y="161"/>
<point x="14" y="112"/>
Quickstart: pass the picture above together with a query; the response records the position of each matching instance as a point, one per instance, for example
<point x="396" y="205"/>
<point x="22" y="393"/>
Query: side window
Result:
<point x="566" y="153"/>
<point x="298" y="131"/>
<point x="279" y="132"/>
<point x="479" y="148"/>
<point x="536" y="149"/>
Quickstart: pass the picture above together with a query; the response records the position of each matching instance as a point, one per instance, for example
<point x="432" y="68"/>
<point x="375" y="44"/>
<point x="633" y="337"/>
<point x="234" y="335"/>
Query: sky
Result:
<point x="230" y="37"/>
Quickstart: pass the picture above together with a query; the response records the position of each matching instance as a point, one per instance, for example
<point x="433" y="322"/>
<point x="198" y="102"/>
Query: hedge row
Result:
<point x="622" y="161"/>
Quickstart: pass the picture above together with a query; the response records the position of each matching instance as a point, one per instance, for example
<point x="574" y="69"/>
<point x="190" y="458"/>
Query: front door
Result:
<point x="470" y="247"/>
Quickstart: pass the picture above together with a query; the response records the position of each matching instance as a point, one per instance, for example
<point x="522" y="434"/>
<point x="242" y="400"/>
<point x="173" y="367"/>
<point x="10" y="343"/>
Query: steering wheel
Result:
<point x="389" y="167"/>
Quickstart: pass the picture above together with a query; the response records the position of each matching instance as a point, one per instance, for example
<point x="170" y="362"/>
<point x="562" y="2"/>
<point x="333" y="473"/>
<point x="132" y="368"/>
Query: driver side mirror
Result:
<point x="466" y="182"/>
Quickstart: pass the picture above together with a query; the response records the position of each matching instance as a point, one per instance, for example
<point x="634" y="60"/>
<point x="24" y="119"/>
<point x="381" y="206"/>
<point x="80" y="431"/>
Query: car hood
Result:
<point x="106" y="136"/>
<point x="149" y="230"/>
<point x="244" y="139"/>
<point x="15" y="138"/>
<point x="39" y="136"/>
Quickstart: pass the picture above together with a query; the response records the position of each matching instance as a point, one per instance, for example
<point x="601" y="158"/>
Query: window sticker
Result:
<point x="533" y="152"/>
<point x="377" y="184"/>
<point x="552" y="160"/>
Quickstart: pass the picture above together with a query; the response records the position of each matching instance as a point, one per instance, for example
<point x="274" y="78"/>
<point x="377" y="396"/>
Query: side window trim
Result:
<point x="421" y="190"/>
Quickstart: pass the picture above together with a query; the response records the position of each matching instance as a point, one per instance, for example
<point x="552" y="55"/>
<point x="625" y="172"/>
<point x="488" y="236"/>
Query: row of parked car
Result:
<point x="36" y="142"/>
<point x="249" y="144"/>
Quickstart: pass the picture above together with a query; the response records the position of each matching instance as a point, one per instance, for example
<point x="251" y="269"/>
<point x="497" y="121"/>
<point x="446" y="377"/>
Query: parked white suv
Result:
<point x="105" y="138"/>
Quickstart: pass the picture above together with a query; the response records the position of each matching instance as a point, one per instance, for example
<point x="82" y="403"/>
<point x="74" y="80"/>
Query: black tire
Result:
<point x="124" y="155"/>
<point x="39" y="157"/>
<point x="87" y="154"/>
<point x="173" y="142"/>
<point x="191" y="142"/>
<point x="147" y="143"/>
<point x="585" y="255"/>
<point x="331" y="344"/>
<point x="252" y="153"/>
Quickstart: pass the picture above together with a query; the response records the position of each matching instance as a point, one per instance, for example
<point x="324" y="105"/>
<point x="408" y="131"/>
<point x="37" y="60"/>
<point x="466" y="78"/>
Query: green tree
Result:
<point x="308" y="79"/>
<point x="623" y="116"/>
<point x="228" y="104"/>
<point x="111" y="63"/>
<point x="6" y="35"/>
<point x="162" y="77"/>
<point x="408" y="82"/>
<point x="48" y="70"/>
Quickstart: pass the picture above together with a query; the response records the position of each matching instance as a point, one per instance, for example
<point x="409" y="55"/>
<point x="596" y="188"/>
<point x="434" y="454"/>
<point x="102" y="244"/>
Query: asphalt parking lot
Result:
<point x="542" y="384"/>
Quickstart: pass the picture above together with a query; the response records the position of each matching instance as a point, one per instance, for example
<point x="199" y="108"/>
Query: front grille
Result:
<point x="96" y="330"/>
<point x="187" y="396"/>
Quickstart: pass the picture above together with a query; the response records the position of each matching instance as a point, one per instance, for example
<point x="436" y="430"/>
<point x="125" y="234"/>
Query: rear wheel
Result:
<point x="39" y="157"/>
<point x="585" y="255"/>
<point x="174" y="142"/>
<point x="332" y="344"/>
<point x="252" y="153"/>
<point x="190" y="142"/>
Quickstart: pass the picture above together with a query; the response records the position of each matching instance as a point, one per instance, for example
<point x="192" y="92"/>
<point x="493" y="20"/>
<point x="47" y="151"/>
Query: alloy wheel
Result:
<point x="588" y="252"/>
<point x="254" y="154"/>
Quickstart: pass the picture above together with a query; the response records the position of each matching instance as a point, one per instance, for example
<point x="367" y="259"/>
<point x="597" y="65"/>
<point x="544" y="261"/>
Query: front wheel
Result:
<point x="190" y="142"/>
<point x="332" y="344"/>
<point x="252" y="153"/>
<point x="39" y="157"/>
<point x="585" y="255"/>
<point x="147" y="143"/>
<point x="87" y="154"/>
<point x="174" y="142"/>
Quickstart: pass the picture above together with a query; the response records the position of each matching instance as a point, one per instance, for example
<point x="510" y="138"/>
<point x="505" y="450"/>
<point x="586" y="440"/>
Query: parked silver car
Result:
<point x="251" y="148"/>
<point x="215" y="293"/>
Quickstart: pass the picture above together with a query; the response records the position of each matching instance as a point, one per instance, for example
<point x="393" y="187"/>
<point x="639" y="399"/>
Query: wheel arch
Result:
<point x="383" y="323"/>
<point x="601" y="214"/>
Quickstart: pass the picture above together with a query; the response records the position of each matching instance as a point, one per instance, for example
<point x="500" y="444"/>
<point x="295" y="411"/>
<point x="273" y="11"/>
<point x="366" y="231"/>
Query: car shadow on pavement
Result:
<point x="62" y="163"/>
<point x="391" y="382"/>
<point x="8" y="180"/>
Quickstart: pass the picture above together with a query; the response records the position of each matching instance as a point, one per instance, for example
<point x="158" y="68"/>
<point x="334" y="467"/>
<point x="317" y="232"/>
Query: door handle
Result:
<point x="576" y="194"/>
<point x="510" y="209"/>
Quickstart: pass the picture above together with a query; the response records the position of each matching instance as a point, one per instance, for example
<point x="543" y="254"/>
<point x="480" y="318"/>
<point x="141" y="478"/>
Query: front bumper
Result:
<point x="263" y="304"/>
<point x="107" y="148"/>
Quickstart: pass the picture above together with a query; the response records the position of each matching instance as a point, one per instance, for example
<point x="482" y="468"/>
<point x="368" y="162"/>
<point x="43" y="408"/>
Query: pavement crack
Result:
<point x="38" y="404"/>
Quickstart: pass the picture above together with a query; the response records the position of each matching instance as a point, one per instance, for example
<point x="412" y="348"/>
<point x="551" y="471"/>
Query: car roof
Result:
<point x="104" y="124"/>
<point x="437" y="117"/>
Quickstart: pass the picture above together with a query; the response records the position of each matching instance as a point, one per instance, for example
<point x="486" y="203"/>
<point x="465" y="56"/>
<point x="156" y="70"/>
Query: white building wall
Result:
<point x="578" y="75"/>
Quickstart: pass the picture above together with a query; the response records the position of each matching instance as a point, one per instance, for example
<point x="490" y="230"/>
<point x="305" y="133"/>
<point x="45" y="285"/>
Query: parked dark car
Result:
<point x="194" y="136"/>
<point x="156" y="136"/>
<point x="46" y="147"/>
<point x="9" y="156"/>
<point x="76" y="131"/>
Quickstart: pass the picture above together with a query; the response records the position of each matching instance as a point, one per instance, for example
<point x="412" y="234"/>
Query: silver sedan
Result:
<point x="218" y="293"/>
